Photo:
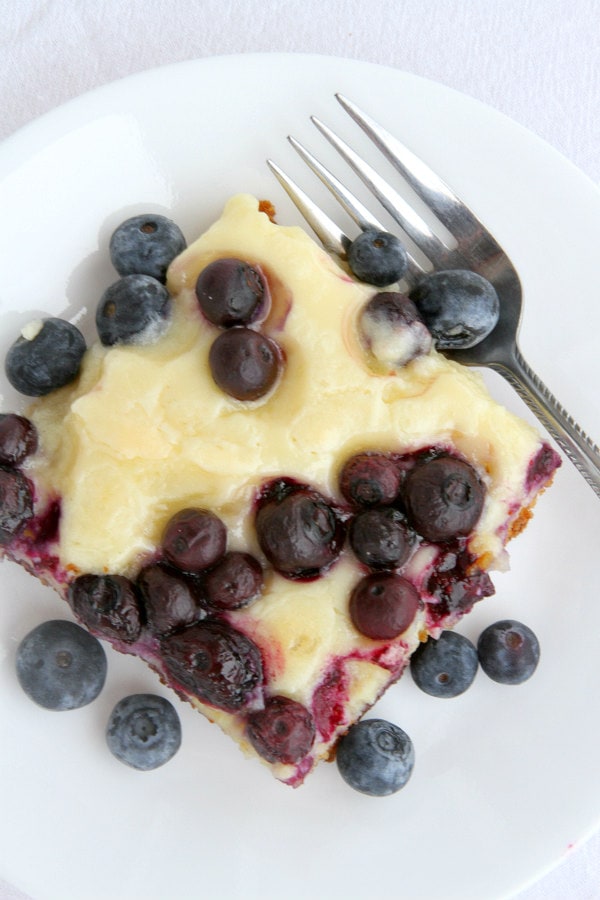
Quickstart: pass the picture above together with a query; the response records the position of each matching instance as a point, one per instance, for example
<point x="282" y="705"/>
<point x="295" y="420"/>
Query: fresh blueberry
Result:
<point x="46" y="356"/>
<point x="283" y="731"/>
<point x="214" y="661"/>
<point x="446" y="666"/>
<point x="377" y="257"/>
<point x="146" y="245"/>
<point x="61" y="666"/>
<point x="194" y="539"/>
<point x="459" y="307"/>
<point x="244" y="363"/>
<point x="231" y="292"/>
<point x="375" y="757"/>
<point x="383" y="605"/>
<point x="298" y="530"/>
<point x="107" y="605"/>
<point x="370" y="479"/>
<point x="393" y="331"/>
<point x="380" y="538"/>
<point x="134" y="310"/>
<point x="18" y="439"/>
<point x="16" y="503"/>
<point x="235" y="581"/>
<point x="509" y="651"/>
<point x="169" y="599"/>
<point x="443" y="497"/>
<point x="144" y="731"/>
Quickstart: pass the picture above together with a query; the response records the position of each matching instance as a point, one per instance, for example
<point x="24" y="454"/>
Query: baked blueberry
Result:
<point x="509" y="651"/>
<point x="235" y="581"/>
<point x="61" y="666"/>
<point x="244" y="363"/>
<point x="134" y="310"/>
<point x="383" y="605"/>
<point x="392" y="330"/>
<point x="298" y="530"/>
<point x="370" y="479"/>
<point x="443" y="497"/>
<point x="108" y="605"/>
<point x="18" y="439"/>
<point x="146" y="245"/>
<point x="377" y="257"/>
<point x="283" y="731"/>
<point x="375" y="757"/>
<point x="214" y="661"/>
<point x="194" y="539"/>
<point x="380" y="537"/>
<point x="143" y="731"/>
<point x="459" y="307"/>
<point x="169" y="598"/>
<point x="445" y="667"/>
<point x="16" y="503"/>
<point x="46" y="356"/>
<point x="231" y="292"/>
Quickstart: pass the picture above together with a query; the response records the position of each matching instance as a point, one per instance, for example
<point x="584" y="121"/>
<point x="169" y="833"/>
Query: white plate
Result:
<point x="506" y="778"/>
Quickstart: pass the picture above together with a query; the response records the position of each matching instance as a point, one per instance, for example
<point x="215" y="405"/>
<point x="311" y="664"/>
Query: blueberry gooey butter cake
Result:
<point x="263" y="479"/>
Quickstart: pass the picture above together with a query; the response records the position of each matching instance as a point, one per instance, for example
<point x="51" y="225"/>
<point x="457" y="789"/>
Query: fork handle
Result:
<point x="570" y="437"/>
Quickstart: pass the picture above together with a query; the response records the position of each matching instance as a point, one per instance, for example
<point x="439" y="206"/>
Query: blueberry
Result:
<point x="298" y="530"/>
<point x="282" y="732"/>
<point x="244" y="363"/>
<point x="194" y="539"/>
<point x="377" y="257"/>
<point x="16" y="503"/>
<point x="144" y="731"/>
<point x="380" y="538"/>
<point x="61" y="666"/>
<point x="169" y="599"/>
<point x="509" y="651"/>
<point x="393" y="331"/>
<point x="370" y="479"/>
<point x="383" y="605"/>
<point x="235" y="581"/>
<point x="146" y="245"/>
<point x="107" y="605"/>
<point x="18" y="439"/>
<point x="214" y="661"/>
<point x="375" y="757"/>
<point x="443" y="497"/>
<point x="46" y="356"/>
<point x="231" y="292"/>
<point x="134" y="310"/>
<point x="445" y="667"/>
<point x="459" y="307"/>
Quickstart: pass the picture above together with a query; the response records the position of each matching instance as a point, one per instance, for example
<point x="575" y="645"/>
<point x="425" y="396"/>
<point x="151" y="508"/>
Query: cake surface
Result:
<point x="144" y="432"/>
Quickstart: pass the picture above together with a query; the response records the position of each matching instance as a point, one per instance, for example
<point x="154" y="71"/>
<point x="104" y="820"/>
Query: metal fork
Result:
<point x="474" y="248"/>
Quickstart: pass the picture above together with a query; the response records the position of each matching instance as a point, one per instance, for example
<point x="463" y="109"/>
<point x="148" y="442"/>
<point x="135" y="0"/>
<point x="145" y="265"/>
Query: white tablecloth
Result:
<point x="538" y="61"/>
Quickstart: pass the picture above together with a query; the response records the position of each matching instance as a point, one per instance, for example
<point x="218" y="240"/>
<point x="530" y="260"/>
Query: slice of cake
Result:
<point x="259" y="504"/>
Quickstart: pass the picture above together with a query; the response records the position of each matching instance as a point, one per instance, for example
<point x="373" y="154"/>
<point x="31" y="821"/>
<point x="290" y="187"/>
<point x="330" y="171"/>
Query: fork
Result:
<point x="473" y="247"/>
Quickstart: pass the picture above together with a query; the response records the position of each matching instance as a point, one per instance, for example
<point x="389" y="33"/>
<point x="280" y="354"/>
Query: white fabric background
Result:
<point x="538" y="61"/>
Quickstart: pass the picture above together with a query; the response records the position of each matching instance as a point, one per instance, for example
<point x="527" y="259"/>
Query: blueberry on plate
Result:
<point x="46" y="356"/>
<point x="444" y="667"/>
<point x="377" y="257"/>
<point x="143" y="731"/>
<point x="375" y="757"/>
<point x="60" y="666"/>
<point x="459" y="307"/>
<point x="509" y="651"/>
<point x="133" y="310"/>
<point x="146" y="245"/>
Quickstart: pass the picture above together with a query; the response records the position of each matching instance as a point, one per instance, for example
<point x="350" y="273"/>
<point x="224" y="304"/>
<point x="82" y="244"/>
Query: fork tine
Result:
<point x="411" y="223"/>
<point x="451" y="211"/>
<point x="332" y="237"/>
